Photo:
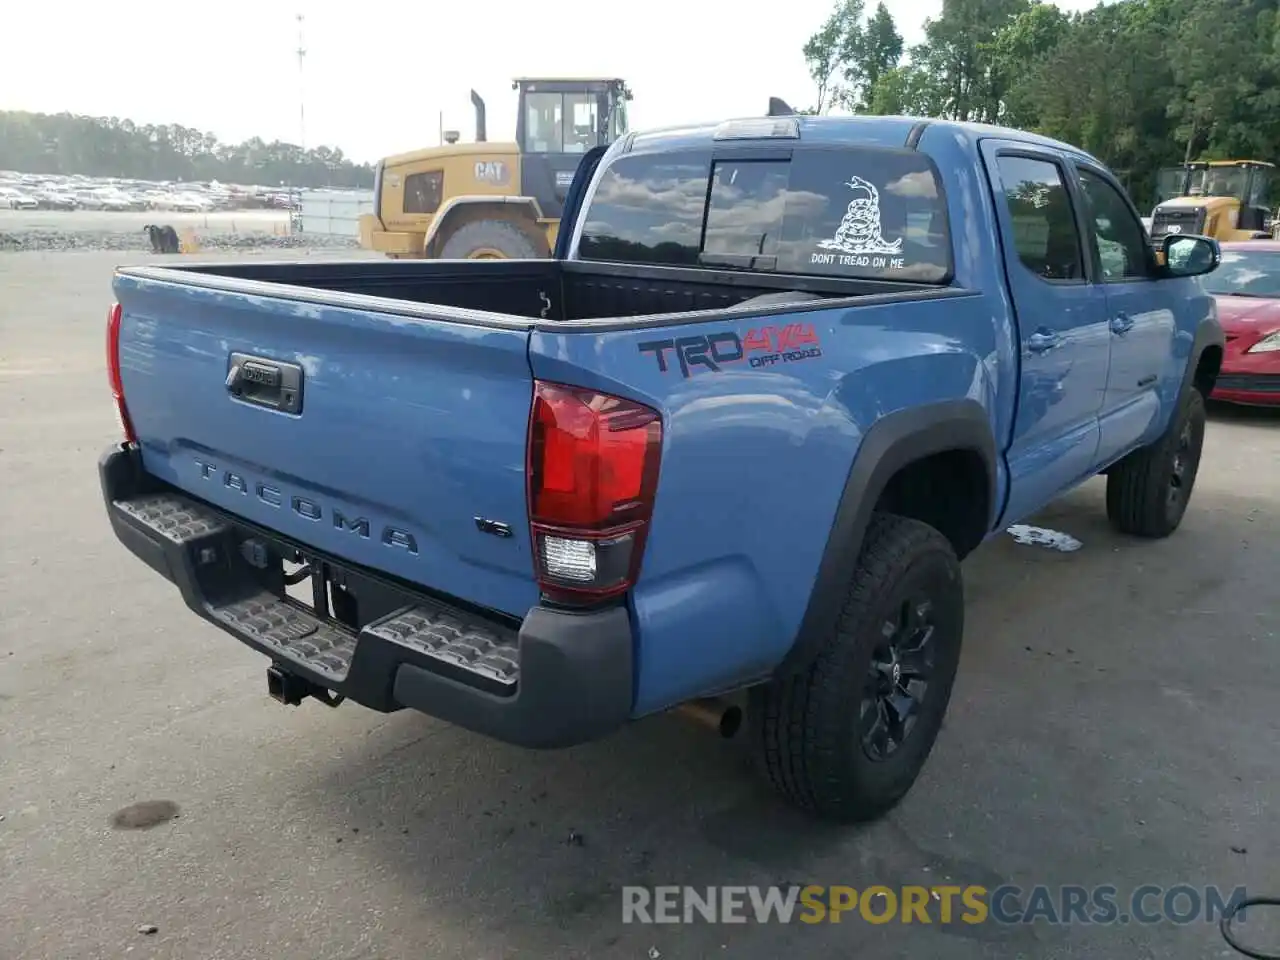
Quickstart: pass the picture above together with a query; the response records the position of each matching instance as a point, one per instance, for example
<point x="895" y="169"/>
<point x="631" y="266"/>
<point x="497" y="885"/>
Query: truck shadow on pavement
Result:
<point x="1236" y="413"/>
<point x="1055" y="766"/>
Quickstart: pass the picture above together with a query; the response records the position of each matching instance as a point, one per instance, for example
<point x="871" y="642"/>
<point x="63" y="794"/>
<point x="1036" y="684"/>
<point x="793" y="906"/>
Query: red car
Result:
<point x="1247" y="288"/>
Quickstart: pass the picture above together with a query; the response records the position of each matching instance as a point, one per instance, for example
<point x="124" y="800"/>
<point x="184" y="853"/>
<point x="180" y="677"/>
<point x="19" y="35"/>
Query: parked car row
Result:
<point x="1246" y="286"/>
<point x="14" y="199"/>
<point x="36" y="192"/>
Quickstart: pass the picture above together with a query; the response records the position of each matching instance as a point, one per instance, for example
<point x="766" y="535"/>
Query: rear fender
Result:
<point x="759" y="442"/>
<point x="891" y="443"/>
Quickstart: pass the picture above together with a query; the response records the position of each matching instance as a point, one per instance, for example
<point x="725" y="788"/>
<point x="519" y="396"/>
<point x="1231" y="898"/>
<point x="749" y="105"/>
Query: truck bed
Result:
<point x="547" y="290"/>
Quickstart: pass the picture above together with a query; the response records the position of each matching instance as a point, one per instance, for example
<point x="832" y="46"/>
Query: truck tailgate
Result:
<point x="408" y="432"/>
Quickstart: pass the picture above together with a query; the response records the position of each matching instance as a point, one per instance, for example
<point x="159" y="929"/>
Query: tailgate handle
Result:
<point x="265" y="383"/>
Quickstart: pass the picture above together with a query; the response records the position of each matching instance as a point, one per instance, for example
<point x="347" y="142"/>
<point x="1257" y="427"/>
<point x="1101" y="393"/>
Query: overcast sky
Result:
<point x="376" y="76"/>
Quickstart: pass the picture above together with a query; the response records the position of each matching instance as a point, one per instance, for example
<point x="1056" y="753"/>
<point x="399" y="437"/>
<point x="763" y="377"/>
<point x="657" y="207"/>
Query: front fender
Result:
<point x="1208" y="335"/>
<point x="455" y="207"/>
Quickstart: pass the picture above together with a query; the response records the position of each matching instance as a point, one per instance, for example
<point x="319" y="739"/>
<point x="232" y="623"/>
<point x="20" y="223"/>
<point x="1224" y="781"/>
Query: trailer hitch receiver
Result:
<point x="291" y="689"/>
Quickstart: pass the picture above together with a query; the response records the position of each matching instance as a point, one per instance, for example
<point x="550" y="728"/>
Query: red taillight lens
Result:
<point x="113" y="372"/>
<point x="592" y="474"/>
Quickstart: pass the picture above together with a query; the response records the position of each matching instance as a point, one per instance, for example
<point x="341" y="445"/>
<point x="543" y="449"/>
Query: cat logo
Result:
<point x="491" y="171"/>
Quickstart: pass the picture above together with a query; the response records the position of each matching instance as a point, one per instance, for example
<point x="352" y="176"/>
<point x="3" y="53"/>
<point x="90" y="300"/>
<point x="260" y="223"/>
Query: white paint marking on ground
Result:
<point x="1039" y="536"/>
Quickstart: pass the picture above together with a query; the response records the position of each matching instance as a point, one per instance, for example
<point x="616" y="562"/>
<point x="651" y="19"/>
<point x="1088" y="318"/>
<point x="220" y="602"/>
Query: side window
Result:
<point x="1122" y="243"/>
<point x="1044" y="230"/>
<point x="544" y="123"/>
<point x="648" y="209"/>
<point x="582" y="126"/>
<point x="422" y="192"/>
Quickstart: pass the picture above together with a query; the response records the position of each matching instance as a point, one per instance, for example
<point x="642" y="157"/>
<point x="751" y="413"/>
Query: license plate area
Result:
<point x="322" y="587"/>
<point x="334" y="593"/>
<point x="319" y="587"/>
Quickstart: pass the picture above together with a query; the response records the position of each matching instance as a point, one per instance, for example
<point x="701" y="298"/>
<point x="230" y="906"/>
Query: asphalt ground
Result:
<point x="1115" y="722"/>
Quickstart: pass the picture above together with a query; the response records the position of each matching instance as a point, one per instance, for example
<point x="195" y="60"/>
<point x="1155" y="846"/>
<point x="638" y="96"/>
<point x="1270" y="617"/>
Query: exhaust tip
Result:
<point x="715" y="714"/>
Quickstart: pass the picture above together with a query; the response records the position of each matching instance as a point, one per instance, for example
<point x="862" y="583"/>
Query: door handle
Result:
<point x="1043" y="340"/>
<point x="1121" y="324"/>
<point x="265" y="383"/>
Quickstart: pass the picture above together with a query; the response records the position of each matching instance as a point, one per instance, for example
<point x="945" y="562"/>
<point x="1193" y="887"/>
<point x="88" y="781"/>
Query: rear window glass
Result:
<point x="648" y="209"/>
<point x="866" y="213"/>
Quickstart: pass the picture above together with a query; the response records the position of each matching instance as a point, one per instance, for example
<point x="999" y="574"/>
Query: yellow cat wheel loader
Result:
<point x="1224" y="199"/>
<point x="487" y="200"/>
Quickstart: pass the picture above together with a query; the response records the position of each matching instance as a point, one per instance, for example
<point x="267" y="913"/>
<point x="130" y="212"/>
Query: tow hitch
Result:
<point x="291" y="689"/>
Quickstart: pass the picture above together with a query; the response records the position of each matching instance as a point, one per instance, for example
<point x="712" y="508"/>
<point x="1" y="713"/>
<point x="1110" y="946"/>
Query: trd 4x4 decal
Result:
<point x="761" y="347"/>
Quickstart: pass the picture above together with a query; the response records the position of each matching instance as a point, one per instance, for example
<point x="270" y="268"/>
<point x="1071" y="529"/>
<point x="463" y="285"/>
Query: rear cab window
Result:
<point x="847" y="212"/>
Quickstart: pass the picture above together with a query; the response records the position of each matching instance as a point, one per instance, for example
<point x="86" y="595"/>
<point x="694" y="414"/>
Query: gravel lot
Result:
<point x="221" y="221"/>
<point x="27" y="231"/>
<point x="1115" y="722"/>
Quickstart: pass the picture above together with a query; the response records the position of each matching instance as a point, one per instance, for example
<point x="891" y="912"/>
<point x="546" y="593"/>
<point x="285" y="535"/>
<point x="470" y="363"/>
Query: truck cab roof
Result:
<point x="883" y="131"/>
<point x="567" y="80"/>
<point x="939" y="150"/>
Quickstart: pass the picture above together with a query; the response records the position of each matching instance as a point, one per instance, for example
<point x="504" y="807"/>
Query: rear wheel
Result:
<point x="847" y="737"/>
<point x="1148" y="491"/>
<point x="489" y="240"/>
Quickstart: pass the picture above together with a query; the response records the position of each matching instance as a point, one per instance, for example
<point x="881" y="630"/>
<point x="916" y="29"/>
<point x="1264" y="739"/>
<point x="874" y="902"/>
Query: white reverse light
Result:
<point x="571" y="560"/>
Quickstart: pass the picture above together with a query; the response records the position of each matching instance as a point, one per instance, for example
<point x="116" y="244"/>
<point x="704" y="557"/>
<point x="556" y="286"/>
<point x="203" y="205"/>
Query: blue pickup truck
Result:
<point x="779" y="378"/>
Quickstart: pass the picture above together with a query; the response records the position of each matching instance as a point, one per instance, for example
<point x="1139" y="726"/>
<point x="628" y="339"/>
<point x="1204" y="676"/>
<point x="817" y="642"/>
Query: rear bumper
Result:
<point x="1255" y="389"/>
<point x="560" y="679"/>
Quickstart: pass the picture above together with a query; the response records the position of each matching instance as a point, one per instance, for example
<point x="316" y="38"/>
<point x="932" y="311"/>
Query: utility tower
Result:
<point x="302" y="90"/>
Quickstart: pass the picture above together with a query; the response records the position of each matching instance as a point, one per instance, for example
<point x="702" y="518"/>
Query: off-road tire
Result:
<point x="1148" y="491"/>
<point x="506" y="238"/>
<point x="806" y="724"/>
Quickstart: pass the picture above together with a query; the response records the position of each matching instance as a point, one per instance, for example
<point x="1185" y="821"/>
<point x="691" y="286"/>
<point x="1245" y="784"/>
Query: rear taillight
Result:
<point x="592" y="475"/>
<point x="113" y="373"/>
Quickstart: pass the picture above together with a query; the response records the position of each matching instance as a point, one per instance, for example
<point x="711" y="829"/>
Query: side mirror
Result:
<point x="1189" y="255"/>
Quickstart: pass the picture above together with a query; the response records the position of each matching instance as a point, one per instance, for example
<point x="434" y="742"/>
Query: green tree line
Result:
<point x="1141" y="84"/>
<point x="110" y="147"/>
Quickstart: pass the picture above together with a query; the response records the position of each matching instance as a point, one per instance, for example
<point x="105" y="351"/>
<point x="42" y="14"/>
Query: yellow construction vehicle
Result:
<point x="487" y="200"/>
<point x="1224" y="199"/>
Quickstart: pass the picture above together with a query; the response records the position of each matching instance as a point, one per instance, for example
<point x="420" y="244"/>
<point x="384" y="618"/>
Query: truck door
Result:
<point x="1141" y="316"/>
<point x="1062" y="325"/>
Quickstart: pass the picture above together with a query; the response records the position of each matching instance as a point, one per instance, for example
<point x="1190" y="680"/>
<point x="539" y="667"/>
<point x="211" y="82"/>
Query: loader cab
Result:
<point x="559" y="120"/>
<point x="1225" y="199"/>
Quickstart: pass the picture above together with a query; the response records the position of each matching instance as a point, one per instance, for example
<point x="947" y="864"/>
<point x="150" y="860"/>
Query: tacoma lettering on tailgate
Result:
<point x="305" y="507"/>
